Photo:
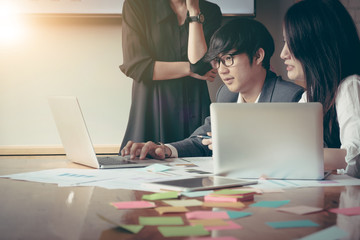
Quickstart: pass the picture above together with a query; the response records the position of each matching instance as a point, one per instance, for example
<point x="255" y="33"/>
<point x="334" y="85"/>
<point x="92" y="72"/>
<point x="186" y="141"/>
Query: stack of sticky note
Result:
<point x="230" y="195"/>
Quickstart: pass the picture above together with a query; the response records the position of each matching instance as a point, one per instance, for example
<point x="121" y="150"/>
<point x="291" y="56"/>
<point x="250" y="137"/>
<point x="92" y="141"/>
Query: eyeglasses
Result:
<point x="227" y="60"/>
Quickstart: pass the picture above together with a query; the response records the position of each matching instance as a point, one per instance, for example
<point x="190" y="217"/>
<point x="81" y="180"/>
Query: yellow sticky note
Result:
<point x="163" y="210"/>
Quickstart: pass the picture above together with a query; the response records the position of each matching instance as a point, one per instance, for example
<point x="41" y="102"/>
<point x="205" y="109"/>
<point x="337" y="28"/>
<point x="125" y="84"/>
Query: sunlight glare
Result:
<point x="11" y="28"/>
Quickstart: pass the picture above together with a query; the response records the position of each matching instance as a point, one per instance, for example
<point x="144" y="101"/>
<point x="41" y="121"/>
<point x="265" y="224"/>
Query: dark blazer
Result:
<point x="274" y="90"/>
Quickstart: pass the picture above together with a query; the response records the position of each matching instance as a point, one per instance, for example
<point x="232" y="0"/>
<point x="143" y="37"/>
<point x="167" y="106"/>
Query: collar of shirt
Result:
<point x="241" y="99"/>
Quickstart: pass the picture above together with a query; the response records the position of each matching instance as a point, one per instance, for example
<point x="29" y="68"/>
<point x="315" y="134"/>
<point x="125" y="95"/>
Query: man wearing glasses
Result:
<point x="240" y="51"/>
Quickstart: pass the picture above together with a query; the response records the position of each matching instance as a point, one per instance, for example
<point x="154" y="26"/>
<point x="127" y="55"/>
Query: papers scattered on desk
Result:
<point x="130" y="178"/>
<point x="133" y="178"/>
<point x="66" y="176"/>
<point x="332" y="180"/>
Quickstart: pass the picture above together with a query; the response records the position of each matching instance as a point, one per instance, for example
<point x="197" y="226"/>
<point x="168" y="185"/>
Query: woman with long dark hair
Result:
<point x="322" y="48"/>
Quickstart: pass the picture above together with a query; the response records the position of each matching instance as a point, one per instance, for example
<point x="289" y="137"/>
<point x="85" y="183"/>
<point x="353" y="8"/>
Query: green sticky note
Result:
<point x="238" y="214"/>
<point x="161" y="195"/>
<point x="183" y="231"/>
<point x="270" y="204"/>
<point x="160" y="221"/>
<point x="132" y="228"/>
<point x="292" y="224"/>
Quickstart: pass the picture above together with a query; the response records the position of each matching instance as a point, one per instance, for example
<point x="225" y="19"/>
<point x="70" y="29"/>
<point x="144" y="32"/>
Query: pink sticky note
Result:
<point x="133" y="204"/>
<point x="206" y="215"/>
<point x="219" y="199"/>
<point x="231" y="225"/>
<point x="346" y="211"/>
<point x="300" y="209"/>
<point x="215" y="238"/>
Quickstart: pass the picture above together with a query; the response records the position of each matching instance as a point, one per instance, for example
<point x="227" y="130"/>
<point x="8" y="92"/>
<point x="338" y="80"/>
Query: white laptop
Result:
<point x="270" y="140"/>
<point x="76" y="139"/>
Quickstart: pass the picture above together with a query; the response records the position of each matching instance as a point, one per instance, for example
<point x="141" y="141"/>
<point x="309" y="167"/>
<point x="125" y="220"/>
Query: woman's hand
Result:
<point x="209" y="76"/>
<point x="193" y="7"/>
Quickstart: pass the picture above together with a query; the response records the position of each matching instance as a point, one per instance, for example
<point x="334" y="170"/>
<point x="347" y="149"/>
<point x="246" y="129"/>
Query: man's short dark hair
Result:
<point x="245" y="35"/>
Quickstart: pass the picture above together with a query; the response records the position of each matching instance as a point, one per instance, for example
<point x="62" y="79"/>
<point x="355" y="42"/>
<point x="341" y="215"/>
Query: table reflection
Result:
<point x="350" y="197"/>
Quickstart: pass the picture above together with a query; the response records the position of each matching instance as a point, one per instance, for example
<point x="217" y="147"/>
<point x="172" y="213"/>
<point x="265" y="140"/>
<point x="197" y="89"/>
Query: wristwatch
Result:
<point x="199" y="18"/>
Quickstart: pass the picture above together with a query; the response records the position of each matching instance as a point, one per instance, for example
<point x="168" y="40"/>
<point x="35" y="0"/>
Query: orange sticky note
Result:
<point x="224" y="204"/>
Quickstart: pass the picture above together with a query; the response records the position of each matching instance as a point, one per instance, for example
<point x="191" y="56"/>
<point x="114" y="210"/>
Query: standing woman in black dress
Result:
<point x="163" y="44"/>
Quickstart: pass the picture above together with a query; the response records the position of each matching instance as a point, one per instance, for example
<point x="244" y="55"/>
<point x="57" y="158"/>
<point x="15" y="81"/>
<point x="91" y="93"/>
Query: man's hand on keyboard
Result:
<point x="141" y="150"/>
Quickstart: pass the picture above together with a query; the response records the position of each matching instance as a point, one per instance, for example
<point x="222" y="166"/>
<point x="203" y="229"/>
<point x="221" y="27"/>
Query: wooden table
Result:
<point x="30" y="210"/>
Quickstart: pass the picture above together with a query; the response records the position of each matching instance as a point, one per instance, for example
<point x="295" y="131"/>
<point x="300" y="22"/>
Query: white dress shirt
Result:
<point x="347" y="104"/>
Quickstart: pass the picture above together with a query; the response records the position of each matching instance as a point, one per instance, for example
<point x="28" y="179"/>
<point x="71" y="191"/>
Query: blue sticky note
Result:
<point x="270" y="204"/>
<point x="331" y="233"/>
<point x="196" y="193"/>
<point x="238" y="214"/>
<point x="292" y="224"/>
<point x="156" y="167"/>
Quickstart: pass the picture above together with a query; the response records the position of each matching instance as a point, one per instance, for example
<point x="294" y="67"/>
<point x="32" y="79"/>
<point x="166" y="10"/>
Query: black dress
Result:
<point x="170" y="110"/>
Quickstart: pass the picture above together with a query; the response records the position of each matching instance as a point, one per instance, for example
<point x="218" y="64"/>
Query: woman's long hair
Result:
<point x="322" y="35"/>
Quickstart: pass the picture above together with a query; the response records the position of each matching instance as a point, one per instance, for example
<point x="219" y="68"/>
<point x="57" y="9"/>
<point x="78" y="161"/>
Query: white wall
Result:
<point x="63" y="56"/>
<point x="79" y="56"/>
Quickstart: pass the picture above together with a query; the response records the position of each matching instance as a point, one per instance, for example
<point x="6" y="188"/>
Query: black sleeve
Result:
<point x="137" y="60"/>
<point x="213" y="19"/>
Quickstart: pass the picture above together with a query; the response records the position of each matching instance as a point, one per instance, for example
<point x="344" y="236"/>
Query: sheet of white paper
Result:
<point x="332" y="180"/>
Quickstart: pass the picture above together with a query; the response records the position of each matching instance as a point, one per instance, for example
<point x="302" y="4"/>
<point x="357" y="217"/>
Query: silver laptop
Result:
<point x="76" y="139"/>
<point x="270" y="140"/>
